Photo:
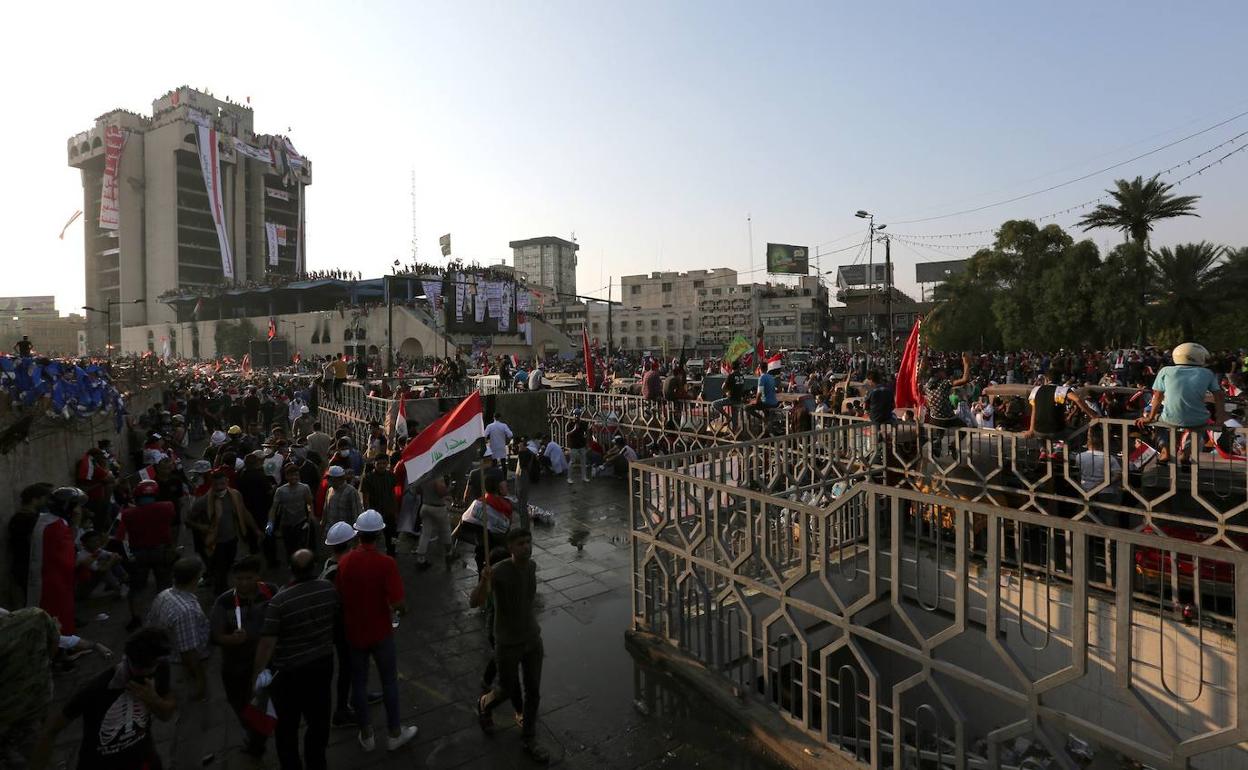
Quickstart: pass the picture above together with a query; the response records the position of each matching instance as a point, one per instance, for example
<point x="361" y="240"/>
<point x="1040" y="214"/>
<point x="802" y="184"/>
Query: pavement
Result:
<point x="600" y="708"/>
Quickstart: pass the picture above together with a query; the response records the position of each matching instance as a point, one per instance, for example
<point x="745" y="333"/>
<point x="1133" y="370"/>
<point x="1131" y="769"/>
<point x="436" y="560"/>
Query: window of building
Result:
<point x="634" y="289"/>
<point x="667" y="287"/>
<point x="654" y="323"/>
<point x="671" y="324"/>
<point x="717" y="292"/>
<point x="654" y="340"/>
<point x="699" y="284"/>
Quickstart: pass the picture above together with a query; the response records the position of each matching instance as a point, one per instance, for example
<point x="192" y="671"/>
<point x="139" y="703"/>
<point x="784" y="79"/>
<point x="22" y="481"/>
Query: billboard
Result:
<point x="938" y="272"/>
<point x="41" y="304"/>
<point x="783" y="258"/>
<point x="850" y="276"/>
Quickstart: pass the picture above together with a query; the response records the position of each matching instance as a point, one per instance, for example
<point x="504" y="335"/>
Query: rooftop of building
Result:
<point x="715" y="272"/>
<point x="545" y="240"/>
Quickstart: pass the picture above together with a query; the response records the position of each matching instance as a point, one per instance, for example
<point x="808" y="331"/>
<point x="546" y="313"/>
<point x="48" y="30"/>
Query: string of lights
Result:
<point x="1053" y="215"/>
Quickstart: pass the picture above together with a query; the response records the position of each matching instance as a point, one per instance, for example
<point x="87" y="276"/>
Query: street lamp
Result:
<point x="873" y="228"/>
<point x="108" y="320"/>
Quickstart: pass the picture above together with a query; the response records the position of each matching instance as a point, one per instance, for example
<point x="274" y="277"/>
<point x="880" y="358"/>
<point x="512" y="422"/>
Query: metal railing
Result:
<point x="910" y="617"/>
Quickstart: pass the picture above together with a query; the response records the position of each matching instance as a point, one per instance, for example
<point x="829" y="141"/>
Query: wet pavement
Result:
<point x="600" y="709"/>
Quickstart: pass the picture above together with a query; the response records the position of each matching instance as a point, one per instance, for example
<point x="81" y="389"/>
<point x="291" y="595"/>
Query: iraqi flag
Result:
<point x="398" y="428"/>
<point x="908" y="394"/>
<point x="272" y="328"/>
<point x="446" y="436"/>
<point x="1141" y="455"/>
<point x="199" y="307"/>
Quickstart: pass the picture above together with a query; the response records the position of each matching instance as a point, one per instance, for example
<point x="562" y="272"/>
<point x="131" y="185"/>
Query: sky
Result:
<point x="651" y="130"/>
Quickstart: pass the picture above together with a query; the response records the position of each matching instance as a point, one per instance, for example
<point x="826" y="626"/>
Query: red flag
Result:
<point x="591" y="382"/>
<point x="760" y="354"/>
<point x="247" y="364"/>
<point x="908" y="393"/>
<point x="272" y="328"/>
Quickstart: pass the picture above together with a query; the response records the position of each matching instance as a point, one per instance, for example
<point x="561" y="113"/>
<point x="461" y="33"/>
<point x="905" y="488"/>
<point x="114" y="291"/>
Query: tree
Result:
<point x="1137" y="205"/>
<point x="1182" y="283"/>
<point x="1119" y="278"/>
<point x="234" y="339"/>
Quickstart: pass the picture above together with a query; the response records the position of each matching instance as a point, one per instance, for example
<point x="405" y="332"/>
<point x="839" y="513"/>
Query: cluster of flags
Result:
<point x="75" y="391"/>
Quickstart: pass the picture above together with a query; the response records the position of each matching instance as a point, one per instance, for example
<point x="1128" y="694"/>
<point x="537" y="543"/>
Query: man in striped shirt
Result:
<point x="297" y="642"/>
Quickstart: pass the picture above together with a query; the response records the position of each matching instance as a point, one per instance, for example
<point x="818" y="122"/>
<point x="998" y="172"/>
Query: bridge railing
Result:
<point x="904" y="628"/>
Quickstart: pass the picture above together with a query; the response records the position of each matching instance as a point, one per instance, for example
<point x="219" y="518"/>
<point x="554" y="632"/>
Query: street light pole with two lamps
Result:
<point x="108" y="320"/>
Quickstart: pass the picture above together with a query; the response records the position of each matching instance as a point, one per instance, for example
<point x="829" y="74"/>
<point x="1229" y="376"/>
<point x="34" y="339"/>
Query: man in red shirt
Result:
<point x="371" y="593"/>
<point x="148" y="528"/>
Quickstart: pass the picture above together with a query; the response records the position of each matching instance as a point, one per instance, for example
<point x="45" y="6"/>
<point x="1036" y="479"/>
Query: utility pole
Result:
<point x="888" y="299"/>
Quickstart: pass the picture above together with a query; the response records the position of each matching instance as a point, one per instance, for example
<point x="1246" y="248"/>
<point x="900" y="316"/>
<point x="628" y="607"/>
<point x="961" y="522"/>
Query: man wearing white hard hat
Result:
<point x="340" y="539"/>
<point x="371" y="593"/>
<point x="1179" y="397"/>
<point x="342" y="500"/>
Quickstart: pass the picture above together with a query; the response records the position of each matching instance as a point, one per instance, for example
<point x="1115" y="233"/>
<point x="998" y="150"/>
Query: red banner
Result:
<point x="110" y="201"/>
<point x="908" y="394"/>
<point x="591" y="382"/>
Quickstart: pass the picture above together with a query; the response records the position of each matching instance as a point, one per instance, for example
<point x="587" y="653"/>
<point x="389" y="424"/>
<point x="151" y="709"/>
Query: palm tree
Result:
<point x="1184" y="280"/>
<point x="1137" y="205"/>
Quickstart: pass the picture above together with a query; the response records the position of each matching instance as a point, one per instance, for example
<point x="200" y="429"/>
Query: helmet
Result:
<point x="179" y="418"/>
<point x="340" y="533"/>
<point x="1190" y="353"/>
<point x="65" y="499"/>
<point x="235" y="430"/>
<point x="369" y="521"/>
<point x="146" y="488"/>
<point x="218" y="438"/>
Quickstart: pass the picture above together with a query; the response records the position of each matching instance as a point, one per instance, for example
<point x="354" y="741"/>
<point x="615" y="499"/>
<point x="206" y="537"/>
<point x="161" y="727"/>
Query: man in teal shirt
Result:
<point x="1179" y="395"/>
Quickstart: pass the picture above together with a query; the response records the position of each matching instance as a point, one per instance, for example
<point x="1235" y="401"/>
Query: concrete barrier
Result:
<point x="50" y="453"/>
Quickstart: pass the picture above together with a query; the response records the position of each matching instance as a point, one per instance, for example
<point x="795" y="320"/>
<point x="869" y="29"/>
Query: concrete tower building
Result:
<point x="151" y="227"/>
<point x="547" y="261"/>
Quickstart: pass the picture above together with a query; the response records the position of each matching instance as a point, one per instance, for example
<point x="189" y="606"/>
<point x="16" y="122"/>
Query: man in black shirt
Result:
<point x="117" y="706"/>
<point x="517" y="637"/>
<point x="24" y="347"/>
<point x="1048" y="409"/>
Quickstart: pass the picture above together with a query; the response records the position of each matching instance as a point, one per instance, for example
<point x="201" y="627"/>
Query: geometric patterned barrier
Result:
<point x="905" y="621"/>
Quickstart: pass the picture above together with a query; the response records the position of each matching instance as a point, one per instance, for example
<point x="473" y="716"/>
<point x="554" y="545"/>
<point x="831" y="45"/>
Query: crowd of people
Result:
<point x="234" y="482"/>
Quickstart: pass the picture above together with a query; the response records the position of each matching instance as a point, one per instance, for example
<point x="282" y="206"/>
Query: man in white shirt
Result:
<point x="535" y="377"/>
<point x="497" y="437"/>
<point x="556" y="460"/>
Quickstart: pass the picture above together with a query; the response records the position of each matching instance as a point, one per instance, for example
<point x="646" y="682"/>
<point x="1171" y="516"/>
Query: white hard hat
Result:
<point x="218" y="438"/>
<point x="370" y="521"/>
<point x="1191" y="354"/>
<point x="340" y="533"/>
<point x="337" y="471"/>
<point x="153" y="456"/>
<point x="303" y="410"/>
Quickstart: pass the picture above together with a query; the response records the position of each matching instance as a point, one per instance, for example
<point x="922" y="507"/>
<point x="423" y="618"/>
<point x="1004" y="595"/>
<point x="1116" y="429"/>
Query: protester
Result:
<point x="342" y="500"/>
<point x="178" y="612"/>
<point x="32" y="501"/>
<point x="297" y="641"/>
<point x="377" y="493"/>
<point x="221" y="518"/>
<point x="236" y="620"/>
<point x="122" y="699"/>
<point x="577" y="450"/>
<point x="340" y="539"/>
<point x="28" y="640"/>
<point x="497" y="436"/>
<point x="517" y="637"/>
<point x="434" y="521"/>
<point x="1178" y="401"/>
<point x="371" y="593"/>
<point x="50" y="579"/>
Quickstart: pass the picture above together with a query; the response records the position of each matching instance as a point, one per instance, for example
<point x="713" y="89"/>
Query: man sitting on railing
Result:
<point x="765" y="397"/>
<point x="731" y="394"/>
<point x="1179" y="397"/>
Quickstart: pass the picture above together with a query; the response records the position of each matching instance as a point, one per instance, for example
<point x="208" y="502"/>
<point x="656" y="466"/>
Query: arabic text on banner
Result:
<point x="110" y="204"/>
<point x="210" y="167"/>
<point x="270" y="231"/>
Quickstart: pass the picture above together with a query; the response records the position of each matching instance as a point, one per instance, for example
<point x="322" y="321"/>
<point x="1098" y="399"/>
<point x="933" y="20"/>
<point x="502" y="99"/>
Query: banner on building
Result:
<point x="282" y="235"/>
<point x="273" y="192"/>
<point x="433" y="292"/>
<point x="110" y="203"/>
<point x="261" y="154"/>
<point x="783" y="258"/>
<point x="211" y="168"/>
<point x="270" y="232"/>
<point x="461" y="295"/>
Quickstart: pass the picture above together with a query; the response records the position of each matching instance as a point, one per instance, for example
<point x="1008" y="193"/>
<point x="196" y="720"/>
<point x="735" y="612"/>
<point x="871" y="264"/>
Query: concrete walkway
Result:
<point x="600" y="710"/>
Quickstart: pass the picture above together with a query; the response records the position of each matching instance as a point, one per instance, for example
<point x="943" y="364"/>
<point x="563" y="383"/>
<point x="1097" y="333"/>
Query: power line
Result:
<point x="1068" y="182"/>
<point x="1069" y="209"/>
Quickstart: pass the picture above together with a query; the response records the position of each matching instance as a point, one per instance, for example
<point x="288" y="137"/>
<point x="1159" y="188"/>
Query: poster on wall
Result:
<point x="784" y="258"/>
<point x="209" y="164"/>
